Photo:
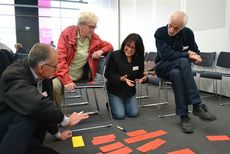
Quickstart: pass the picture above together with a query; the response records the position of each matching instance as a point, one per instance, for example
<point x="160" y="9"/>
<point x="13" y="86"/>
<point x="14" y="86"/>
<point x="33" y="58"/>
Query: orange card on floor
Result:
<point x="96" y="142"/>
<point x="125" y="150"/>
<point x="145" y="136"/>
<point x="218" y="138"/>
<point x="111" y="147"/>
<point x="182" y="151"/>
<point x="104" y="137"/>
<point x="136" y="132"/>
<point x="151" y="145"/>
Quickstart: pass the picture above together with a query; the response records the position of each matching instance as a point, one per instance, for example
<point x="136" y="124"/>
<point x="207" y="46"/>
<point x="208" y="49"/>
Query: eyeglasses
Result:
<point x="91" y="26"/>
<point x="53" y="66"/>
<point x="130" y="46"/>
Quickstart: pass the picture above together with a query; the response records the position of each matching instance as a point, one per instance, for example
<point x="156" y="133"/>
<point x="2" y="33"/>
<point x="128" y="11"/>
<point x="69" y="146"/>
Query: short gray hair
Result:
<point x="39" y="53"/>
<point x="87" y="17"/>
<point x="180" y="14"/>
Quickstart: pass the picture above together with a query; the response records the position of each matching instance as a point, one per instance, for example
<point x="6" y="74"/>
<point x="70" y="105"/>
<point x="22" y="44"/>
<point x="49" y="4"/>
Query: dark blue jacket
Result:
<point x="170" y="48"/>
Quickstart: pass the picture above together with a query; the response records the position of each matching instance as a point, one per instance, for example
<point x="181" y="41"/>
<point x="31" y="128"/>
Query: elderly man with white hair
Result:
<point x="176" y="48"/>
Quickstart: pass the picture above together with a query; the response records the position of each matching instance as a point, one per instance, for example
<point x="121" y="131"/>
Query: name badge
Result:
<point x="135" y="68"/>
<point x="185" y="48"/>
<point x="45" y="94"/>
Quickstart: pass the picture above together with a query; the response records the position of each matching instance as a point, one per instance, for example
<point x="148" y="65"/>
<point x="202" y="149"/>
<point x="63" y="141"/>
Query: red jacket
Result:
<point x="66" y="51"/>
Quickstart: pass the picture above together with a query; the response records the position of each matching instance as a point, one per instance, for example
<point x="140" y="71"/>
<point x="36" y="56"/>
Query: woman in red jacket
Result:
<point x="79" y="50"/>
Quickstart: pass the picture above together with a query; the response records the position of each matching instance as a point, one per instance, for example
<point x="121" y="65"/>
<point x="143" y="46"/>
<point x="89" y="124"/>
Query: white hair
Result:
<point x="180" y="15"/>
<point x="87" y="17"/>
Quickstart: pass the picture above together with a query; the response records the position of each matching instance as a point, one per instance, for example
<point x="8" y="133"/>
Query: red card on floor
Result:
<point x="182" y="151"/>
<point x="218" y="138"/>
<point x="136" y="132"/>
<point x="104" y="137"/>
<point x="124" y="150"/>
<point x="111" y="147"/>
<point x="96" y="142"/>
<point x="151" y="145"/>
<point x="145" y="136"/>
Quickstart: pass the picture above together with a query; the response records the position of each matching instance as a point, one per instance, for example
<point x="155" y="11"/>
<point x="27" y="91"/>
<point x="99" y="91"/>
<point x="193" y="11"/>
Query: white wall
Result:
<point x="209" y="19"/>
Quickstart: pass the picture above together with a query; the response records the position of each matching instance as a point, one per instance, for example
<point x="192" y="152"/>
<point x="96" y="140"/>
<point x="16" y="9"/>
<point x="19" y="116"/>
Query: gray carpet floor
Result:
<point x="149" y="121"/>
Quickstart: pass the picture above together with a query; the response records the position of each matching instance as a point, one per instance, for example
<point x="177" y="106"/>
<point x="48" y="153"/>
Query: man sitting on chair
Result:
<point x="176" y="47"/>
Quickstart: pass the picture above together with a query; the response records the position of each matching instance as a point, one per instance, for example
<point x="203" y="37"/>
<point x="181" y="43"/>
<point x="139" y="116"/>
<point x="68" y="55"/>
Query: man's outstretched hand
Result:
<point x="75" y="118"/>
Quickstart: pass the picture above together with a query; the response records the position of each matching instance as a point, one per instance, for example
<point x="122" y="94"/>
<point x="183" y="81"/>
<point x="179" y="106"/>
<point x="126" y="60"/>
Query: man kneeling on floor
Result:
<point x="26" y="113"/>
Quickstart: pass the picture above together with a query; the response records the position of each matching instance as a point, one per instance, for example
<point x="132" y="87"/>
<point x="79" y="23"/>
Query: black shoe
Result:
<point x="202" y="112"/>
<point x="107" y="106"/>
<point x="186" y="125"/>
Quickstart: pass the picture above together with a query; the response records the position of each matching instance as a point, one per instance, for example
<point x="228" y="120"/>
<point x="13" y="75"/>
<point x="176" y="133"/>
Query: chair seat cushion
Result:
<point x="212" y="75"/>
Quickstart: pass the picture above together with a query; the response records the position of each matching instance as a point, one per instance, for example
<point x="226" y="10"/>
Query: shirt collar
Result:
<point x="79" y="36"/>
<point x="35" y="76"/>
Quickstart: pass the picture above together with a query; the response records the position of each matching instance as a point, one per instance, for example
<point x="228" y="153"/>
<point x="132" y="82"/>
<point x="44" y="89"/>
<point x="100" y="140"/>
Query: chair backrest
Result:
<point x="223" y="59"/>
<point x="208" y="58"/>
<point x="103" y="61"/>
<point x="150" y="61"/>
<point x="20" y="56"/>
<point x="151" y="56"/>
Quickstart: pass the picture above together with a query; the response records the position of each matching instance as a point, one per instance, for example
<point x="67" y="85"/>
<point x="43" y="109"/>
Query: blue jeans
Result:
<point x="122" y="107"/>
<point x="179" y="72"/>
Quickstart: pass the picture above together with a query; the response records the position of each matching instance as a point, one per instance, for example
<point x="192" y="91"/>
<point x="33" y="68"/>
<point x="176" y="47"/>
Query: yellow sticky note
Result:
<point x="78" y="141"/>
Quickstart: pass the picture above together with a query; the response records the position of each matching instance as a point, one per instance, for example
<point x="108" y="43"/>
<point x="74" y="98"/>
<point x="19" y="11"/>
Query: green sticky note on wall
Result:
<point x="78" y="141"/>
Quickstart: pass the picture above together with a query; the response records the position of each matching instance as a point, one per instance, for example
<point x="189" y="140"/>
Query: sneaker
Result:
<point x="186" y="125"/>
<point x="202" y="112"/>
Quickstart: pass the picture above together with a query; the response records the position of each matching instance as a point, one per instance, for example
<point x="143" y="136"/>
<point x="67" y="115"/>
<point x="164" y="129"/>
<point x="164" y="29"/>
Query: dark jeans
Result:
<point x="179" y="72"/>
<point x="17" y="135"/>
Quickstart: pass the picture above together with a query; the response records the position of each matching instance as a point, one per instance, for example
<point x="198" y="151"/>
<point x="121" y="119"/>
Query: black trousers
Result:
<point x="21" y="135"/>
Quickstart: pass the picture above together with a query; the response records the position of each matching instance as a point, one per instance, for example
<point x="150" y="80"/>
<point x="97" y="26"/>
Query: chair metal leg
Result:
<point x="160" y="86"/>
<point x="222" y="104"/>
<point x="139" y="86"/>
<point x="76" y="96"/>
<point x="170" y="114"/>
<point x="93" y="112"/>
<point x="95" y="96"/>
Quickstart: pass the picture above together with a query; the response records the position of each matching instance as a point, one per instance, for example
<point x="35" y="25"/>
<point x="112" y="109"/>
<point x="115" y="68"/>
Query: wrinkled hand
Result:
<point x="196" y="58"/>
<point x="97" y="54"/>
<point x="65" y="135"/>
<point x="75" y="118"/>
<point x="192" y="52"/>
<point x="70" y="86"/>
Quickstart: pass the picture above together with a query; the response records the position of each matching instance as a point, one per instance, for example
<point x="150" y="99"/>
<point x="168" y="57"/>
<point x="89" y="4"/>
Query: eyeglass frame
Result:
<point x="91" y="26"/>
<point x="54" y="67"/>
